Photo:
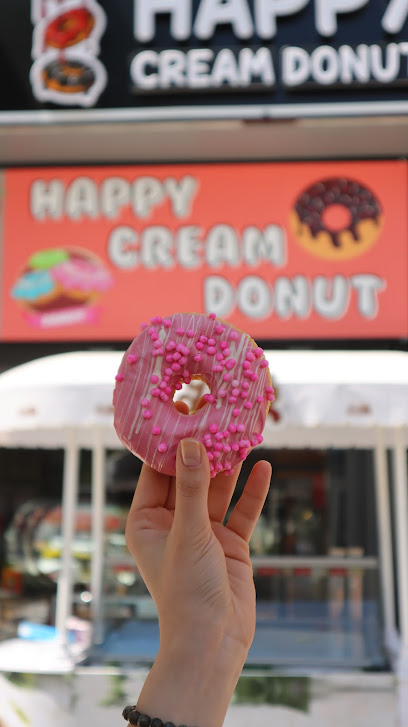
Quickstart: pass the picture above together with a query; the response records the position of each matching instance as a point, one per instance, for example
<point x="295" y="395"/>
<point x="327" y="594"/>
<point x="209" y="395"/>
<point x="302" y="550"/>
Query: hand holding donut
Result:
<point x="199" y="574"/>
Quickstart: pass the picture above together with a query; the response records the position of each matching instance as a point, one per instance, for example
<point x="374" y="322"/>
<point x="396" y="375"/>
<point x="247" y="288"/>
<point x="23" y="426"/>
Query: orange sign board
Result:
<point x="283" y="251"/>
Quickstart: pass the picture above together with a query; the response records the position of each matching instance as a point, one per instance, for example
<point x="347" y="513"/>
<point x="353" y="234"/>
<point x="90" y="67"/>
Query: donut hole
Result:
<point x="336" y="217"/>
<point x="191" y="394"/>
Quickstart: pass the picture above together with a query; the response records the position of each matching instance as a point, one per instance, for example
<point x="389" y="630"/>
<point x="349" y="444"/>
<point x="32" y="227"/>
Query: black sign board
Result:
<point x="142" y="59"/>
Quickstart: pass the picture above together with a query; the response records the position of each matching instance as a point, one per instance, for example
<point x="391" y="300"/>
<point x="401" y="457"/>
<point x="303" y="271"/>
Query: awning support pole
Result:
<point x="401" y="533"/>
<point x="69" y="501"/>
<point x="386" y="574"/>
<point x="98" y="508"/>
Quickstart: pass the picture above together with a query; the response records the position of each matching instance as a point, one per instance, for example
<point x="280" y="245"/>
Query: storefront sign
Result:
<point x="284" y="251"/>
<point x="192" y="58"/>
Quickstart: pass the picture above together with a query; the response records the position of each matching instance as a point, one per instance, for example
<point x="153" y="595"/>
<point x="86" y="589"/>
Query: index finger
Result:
<point x="151" y="489"/>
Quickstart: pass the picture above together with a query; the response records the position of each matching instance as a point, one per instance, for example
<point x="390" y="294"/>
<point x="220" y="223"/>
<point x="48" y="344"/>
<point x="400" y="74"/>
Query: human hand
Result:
<point x="199" y="574"/>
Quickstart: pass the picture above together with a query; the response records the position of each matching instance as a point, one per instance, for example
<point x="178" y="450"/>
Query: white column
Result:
<point x="401" y="538"/>
<point x="382" y="502"/>
<point x="69" y="503"/>
<point x="98" y="509"/>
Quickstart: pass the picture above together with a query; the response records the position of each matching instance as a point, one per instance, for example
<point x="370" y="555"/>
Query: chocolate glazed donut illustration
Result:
<point x="66" y="40"/>
<point x="336" y="218"/>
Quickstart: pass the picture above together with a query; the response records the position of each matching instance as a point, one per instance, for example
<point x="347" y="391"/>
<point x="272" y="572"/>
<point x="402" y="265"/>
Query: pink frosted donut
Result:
<point x="82" y="275"/>
<point x="172" y="351"/>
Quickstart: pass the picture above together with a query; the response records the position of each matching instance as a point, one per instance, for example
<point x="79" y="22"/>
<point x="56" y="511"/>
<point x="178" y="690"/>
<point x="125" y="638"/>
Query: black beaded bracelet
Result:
<point x="132" y="715"/>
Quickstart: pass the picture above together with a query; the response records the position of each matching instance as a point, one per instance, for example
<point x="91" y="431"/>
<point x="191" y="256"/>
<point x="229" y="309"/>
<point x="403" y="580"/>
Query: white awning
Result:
<point x="324" y="398"/>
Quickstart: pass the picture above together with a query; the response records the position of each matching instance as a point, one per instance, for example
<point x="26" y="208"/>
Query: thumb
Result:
<point x="192" y="483"/>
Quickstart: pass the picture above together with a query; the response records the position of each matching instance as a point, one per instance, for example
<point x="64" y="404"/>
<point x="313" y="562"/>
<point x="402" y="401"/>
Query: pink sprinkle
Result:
<point x="176" y="366"/>
<point x="231" y="471"/>
<point x="243" y="454"/>
<point x="210" y="456"/>
<point x="154" y="337"/>
<point x="240" y="428"/>
<point x="232" y="399"/>
<point x="170" y="346"/>
<point x="230" y="364"/>
<point x="178" y="386"/>
<point x="235" y="382"/>
<point x="183" y="360"/>
<point x="213" y="428"/>
<point x="254" y="377"/>
<point x="259" y="352"/>
<point x="143" y="326"/>
<point x="269" y="390"/>
<point x="168" y="390"/>
<point x="217" y="367"/>
<point x="246" y="365"/>
<point x="211" y="398"/>
<point x="164" y="396"/>
<point x="236" y="412"/>
<point x="219" y="328"/>
<point x="244" y="394"/>
<point x="222" y="393"/>
<point x="169" y="371"/>
<point x="157" y="344"/>
<point x="212" y="316"/>
<point x="200" y="345"/>
<point x="235" y="447"/>
<point x="155" y="352"/>
<point x="232" y="428"/>
<point x="147" y="414"/>
<point x="218" y="447"/>
<point x="227" y="377"/>
<point x="218" y="467"/>
<point x="235" y="392"/>
<point x="260" y="438"/>
<point x="227" y="351"/>
<point x="162" y="447"/>
<point x="219" y="436"/>
<point x="119" y="377"/>
<point x="211" y="350"/>
<point x="248" y="405"/>
<point x="248" y="373"/>
<point x="154" y="379"/>
<point x="190" y="333"/>
<point x="145" y="402"/>
<point x="250" y="356"/>
<point x="223" y="344"/>
<point x="259" y="399"/>
<point x="176" y="356"/>
<point x="158" y="320"/>
<point x="227" y="466"/>
<point x="271" y="397"/>
<point x="203" y="339"/>
<point x="169" y="357"/>
<point x="212" y="342"/>
<point x="166" y="378"/>
<point x="151" y="330"/>
<point x="226" y="448"/>
<point x="263" y="364"/>
<point x="153" y="320"/>
<point x="219" y="357"/>
<point x="156" y="430"/>
<point x="233" y="335"/>
<point x="226" y="433"/>
<point x="132" y="358"/>
<point x="155" y="392"/>
<point x="180" y="331"/>
<point x="167" y="322"/>
<point x="198" y="357"/>
<point x="244" y="443"/>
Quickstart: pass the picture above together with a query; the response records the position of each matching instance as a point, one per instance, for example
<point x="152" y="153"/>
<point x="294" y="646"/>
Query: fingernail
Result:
<point x="190" y="452"/>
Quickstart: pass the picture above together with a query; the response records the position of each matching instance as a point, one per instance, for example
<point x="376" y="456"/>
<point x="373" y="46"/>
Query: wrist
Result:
<point x="191" y="685"/>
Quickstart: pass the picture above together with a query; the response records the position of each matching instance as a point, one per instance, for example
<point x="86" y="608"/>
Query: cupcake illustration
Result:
<point x="61" y="286"/>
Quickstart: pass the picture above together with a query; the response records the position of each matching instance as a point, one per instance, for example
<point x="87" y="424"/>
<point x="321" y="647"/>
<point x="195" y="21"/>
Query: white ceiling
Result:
<point x="133" y="142"/>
